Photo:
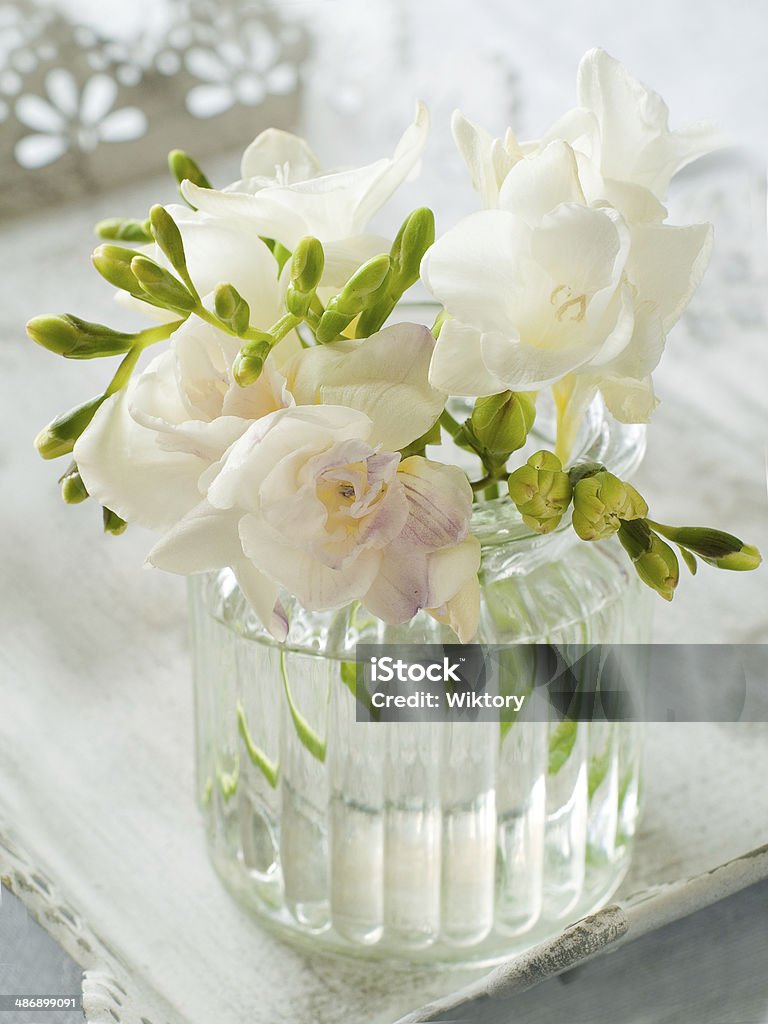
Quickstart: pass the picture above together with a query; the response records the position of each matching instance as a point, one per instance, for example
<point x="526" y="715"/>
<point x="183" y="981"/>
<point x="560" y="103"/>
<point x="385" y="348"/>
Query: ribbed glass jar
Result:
<point x="423" y="842"/>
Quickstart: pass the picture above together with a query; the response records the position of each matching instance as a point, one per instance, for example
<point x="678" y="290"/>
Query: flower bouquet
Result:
<point x="333" y="465"/>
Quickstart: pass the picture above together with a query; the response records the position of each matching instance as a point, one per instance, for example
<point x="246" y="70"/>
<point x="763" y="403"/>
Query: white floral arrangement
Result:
<point x="282" y="430"/>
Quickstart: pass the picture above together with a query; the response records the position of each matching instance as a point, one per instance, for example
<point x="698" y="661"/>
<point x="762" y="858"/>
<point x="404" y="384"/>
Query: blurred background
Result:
<point x="92" y="93"/>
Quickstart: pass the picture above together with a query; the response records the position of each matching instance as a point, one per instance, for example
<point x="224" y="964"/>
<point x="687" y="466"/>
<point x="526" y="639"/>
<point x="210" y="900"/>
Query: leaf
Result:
<point x="689" y="559"/>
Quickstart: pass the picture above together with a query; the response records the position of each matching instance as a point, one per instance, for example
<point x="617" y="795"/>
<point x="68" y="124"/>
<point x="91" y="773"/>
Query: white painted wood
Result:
<point x="96" y="795"/>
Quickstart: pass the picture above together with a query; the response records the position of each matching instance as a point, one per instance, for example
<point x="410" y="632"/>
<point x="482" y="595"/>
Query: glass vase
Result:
<point x="434" y="842"/>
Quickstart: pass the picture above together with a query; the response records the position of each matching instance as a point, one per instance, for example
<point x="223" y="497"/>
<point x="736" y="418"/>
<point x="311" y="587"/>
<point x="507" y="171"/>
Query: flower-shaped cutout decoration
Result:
<point x="73" y="119"/>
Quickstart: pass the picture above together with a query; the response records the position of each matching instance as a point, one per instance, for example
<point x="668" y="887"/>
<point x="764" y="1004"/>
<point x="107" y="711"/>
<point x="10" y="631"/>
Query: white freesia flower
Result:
<point x="619" y="132"/>
<point x="633" y="142"/>
<point x="308" y="503"/>
<point x="546" y="287"/>
<point x="283" y="193"/>
<point x="147" y="451"/>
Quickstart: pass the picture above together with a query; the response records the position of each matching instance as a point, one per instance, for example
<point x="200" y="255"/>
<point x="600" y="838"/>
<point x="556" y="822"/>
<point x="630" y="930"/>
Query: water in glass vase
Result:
<point x="434" y="842"/>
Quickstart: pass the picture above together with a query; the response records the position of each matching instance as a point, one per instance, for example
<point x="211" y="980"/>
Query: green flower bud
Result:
<point x="117" y="229"/>
<point x="160" y="285"/>
<point x="542" y="490"/>
<point x="654" y="560"/>
<point x="168" y="237"/>
<point x="59" y="437"/>
<point x="113" y="262"/>
<point x="307" y="264"/>
<point x="184" y="168"/>
<point x="413" y="239"/>
<point x="601" y="502"/>
<point x="231" y="308"/>
<point x="250" y="360"/>
<point x="344" y="307"/>
<point x="332" y="322"/>
<point x="501" y="422"/>
<point x="73" y="490"/>
<point x="306" y="270"/>
<point x="715" y="547"/>
<point x="112" y="522"/>
<point x="364" y="282"/>
<point x="73" y="338"/>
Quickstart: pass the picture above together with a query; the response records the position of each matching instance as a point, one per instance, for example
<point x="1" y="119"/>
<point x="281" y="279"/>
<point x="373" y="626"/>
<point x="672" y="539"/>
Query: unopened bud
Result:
<point x="184" y="168"/>
<point x="73" y="338"/>
<point x="168" y="237"/>
<point x="413" y="239"/>
<point x="654" y="560"/>
<point x="501" y="422"/>
<point x="113" y="262"/>
<point x="250" y="361"/>
<point x="601" y="502"/>
<point x="112" y="522"/>
<point x="307" y="264"/>
<point x="231" y="308"/>
<point x="364" y="282"/>
<point x="116" y="229"/>
<point x="160" y="285"/>
<point x="542" y="490"/>
<point x="344" y="307"/>
<point x="73" y="490"/>
<point x="716" y="547"/>
<point x="59" y="437"/>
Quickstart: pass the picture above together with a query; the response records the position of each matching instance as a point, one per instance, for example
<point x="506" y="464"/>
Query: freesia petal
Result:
<point x="450" y="568"/>
<point x="261" y="594"/>
<point x="124" y="468"/>
<point x="384" y="376"/>
<point x="629" y="400"/>
<point x="264" y="212"/>
<point x="537" y="184"/>
<point x="668" y="154"/>
<point x="488" y="163"/>
<point x="581" y="248"/>
<point x="666" y="265"/>
<point x="523" y="367"/>
<point x="475" y="268"/>
<point x="636" y="143"/>
<point x="399" y="589"/>
<point x="278" y="154"/>
<point x="400" y="168"/>
<point x="203" y="540"/>
<point x="344" y="257"/>
<point x="316" y="586"/>
<point x="457" y="365"/>
<point x="220" y="250"/>
<point x="277" y="436"/>
<point x="462" y="611"/>
<point x="439" y="503"/>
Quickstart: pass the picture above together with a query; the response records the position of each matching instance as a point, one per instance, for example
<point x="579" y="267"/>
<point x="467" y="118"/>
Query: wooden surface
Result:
<point x="99" y="834"/>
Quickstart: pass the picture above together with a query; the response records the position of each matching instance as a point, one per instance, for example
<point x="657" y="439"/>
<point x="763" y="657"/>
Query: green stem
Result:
<point x="314" y="744"/>
<point x="266" y="766"/>
<point x="489" y="480"/>
<point x="450" y="424"/>
<point x="143" y="340"/>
